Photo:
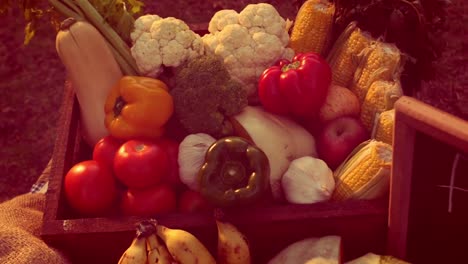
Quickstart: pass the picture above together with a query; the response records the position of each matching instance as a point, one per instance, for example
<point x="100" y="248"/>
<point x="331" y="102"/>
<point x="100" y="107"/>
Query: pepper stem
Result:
<point x="291" y="66"/>
<point x="118" y="106"/>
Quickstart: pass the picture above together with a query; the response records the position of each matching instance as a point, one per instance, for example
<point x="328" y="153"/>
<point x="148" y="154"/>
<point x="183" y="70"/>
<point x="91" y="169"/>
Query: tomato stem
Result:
<point x="139" y="147"/>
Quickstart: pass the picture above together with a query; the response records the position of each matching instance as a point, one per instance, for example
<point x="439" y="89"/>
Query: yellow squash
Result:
<point x="92" y="71"/>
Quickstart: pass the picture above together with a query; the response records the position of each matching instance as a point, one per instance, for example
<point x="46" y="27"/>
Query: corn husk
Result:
<point x="365" y="174"/>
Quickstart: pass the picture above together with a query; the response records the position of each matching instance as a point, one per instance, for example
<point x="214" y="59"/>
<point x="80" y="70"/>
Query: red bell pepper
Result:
<point x="298" y="87"/>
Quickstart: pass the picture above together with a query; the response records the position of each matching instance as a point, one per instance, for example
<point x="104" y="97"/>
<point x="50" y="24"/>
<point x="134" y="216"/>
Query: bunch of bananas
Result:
<point x="155" y="243"/>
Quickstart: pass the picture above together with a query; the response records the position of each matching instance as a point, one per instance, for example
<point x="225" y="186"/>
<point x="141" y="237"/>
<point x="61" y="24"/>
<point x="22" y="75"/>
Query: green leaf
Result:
<point x="37" y="13"/>
<point x="136" y="6"/>
<point x="119" y="14"/>
<point x="29" y="32"/>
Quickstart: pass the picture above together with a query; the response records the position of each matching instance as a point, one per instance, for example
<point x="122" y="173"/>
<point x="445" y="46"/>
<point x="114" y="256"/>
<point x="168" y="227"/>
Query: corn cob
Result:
<point x="345" y="54"/>
<point x="382" y="62"/>
<point x="381" y="96"/>
<point x="384" y="127"/>
<point x="312" y="28"/>
<point x="365" y="174"/>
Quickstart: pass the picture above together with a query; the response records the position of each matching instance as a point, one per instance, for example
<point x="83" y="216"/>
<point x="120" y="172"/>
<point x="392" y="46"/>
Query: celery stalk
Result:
<point x="65" y="10"/>
<point x="108" y="32"/>
<point x="124" y="66"/>
<point x="72" y="5"/>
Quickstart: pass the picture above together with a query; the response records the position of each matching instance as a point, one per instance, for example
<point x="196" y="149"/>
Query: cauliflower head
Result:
<point x="159" y="42"/>
<point x="249" y="42"/>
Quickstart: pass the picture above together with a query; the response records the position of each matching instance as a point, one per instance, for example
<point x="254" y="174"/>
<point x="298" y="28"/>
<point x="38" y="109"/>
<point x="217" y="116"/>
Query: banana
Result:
<point x="157" y="251"/>
<point x="184" y="247"/>
<point x="233" y="247"/>
<point x="136" y="253"/>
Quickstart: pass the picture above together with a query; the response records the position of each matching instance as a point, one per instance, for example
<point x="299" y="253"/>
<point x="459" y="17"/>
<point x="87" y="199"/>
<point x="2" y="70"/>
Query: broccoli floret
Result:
<point x="205" y="96"/>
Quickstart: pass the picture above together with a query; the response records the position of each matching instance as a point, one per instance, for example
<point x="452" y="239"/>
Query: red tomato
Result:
<point x="140" y="164"/>
<point x="90" y="188"/>
<point x="105" y="149"/>
<point x="157" y="199"/>
<point x="172" y="149"/>
<point x="192" y="201"/>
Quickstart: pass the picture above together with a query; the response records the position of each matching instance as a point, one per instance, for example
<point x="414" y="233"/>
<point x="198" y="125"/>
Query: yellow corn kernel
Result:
<point x="365" y="174"/>
<point x="381" y="96"/>
<point x="384" y="127"/>
<point x="312" y="27"/>
<point x="345" y="54"/>
<point x="382" y="62"/>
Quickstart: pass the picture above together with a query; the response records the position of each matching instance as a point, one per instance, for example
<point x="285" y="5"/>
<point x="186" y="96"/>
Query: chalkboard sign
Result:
<point x="428" y="212"/>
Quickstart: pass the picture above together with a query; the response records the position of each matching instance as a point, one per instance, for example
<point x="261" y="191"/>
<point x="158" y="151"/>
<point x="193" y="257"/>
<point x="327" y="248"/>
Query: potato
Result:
<point x="340" y="101"/>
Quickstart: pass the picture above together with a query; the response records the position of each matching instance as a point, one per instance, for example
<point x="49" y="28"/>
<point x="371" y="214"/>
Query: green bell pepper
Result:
<point x="235" y="172"/>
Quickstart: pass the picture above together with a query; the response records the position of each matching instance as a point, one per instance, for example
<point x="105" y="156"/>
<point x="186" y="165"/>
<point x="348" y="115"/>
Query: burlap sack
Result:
<point x="20" y="227"/>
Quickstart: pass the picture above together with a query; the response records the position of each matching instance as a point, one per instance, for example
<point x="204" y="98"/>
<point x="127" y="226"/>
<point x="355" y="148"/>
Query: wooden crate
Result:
<point x="362" y="224"/>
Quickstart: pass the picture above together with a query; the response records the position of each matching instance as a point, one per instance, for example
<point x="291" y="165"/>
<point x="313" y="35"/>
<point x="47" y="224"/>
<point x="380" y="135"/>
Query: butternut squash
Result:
<point x="92" y="70"/>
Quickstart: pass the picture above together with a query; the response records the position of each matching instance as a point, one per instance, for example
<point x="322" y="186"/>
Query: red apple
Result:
<point x="338" y="138"/>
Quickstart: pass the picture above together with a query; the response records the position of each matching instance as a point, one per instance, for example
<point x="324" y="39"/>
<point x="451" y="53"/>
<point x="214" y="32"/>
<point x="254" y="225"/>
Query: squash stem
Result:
<point x="67" y="23"/>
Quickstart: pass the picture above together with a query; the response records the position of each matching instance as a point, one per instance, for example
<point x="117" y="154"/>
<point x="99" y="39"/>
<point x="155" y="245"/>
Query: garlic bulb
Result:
<point x="308" y="180"/>
<point x="191" y="157"/>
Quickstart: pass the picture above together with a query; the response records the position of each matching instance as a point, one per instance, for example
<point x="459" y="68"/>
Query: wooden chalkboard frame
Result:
<point x="411" y="117"/>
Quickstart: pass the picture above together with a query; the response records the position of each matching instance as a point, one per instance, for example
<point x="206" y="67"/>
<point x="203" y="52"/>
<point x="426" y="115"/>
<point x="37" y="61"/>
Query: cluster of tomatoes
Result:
<point x="134" y="177"/>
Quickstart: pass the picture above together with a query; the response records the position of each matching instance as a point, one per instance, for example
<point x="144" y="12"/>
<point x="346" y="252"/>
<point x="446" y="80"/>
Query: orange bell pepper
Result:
<point x="138" y="107"/>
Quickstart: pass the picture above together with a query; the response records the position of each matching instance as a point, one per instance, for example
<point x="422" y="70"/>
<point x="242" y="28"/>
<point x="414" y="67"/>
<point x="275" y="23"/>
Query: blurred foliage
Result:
<point x="118" y="13"/>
